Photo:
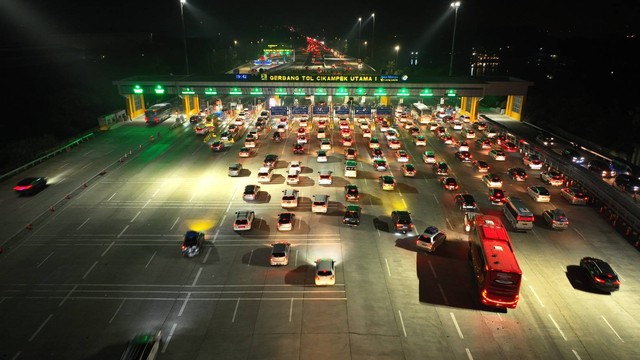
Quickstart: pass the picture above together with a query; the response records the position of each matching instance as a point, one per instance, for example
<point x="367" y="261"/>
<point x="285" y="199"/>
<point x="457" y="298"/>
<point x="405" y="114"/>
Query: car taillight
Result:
<point x="183" y="247"/>
<point x="598" y="280"/>
<point x="22" y="187"/>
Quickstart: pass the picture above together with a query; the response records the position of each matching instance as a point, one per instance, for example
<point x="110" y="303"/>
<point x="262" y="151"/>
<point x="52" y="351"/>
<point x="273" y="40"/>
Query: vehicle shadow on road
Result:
<point x="299" y="275"/>
<point x="257" y="257"/>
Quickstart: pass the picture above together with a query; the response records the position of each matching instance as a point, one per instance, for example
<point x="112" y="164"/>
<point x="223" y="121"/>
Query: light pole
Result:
<point x="184" y="36"/>
<point x="373" y="35"/>
<point x="359" y="36"/>
<point x="454" y="5"/>
<point x="397" y="49"/>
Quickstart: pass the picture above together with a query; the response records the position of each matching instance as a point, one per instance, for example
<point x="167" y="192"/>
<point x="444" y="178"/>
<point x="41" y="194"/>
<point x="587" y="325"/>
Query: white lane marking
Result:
<point x="155" y="193"/>
<point x="117" y="310"/>
<point x="174" y="223"/>
<point x="184" y="304"/>
<point x="150" y="259"/>
<point x="40" y="328"/>
<point x="197" y="276"/>
<point x="147" y="203"/>
<point x="235" y="311"/>
<point x="215" y="236"/>
<point x="436" y="199"/>
<point x="444" y="296"/>
<point x="81" y="225"/>
<point x="405" y="204"/>
<point x="45" y="259"/>
<point x="109" y="247"/>
<point x="223" y="218"/>
<point x="17" y="355"/>
<point x="166" y="343"/>
<point x="449" y="223"/>
<point x="388" y="269"/>
<point x="295" y="263"/>
<point x="579" y="233"/>
<point x="86" y="165"/>
<point x="404" y="330"/>
<point x="88" y="271"/>
<point x="250" y="256"/>
<point x="123" y="230"/>
<point x="290" y="309"/>
<point x="433" y="271"/>
<point x="611" y="327"/>
<point x="111" y="197"/>
<point x="468" y="353"/>
<point x="557" y="327"/>
<point x="206" y="256"/>
<point x="453" y="317"/>
<point x="536" y="295"/>
<point x="132" y="220"/>
<point x="576" y="354"/>
<point x="67" y="296"/>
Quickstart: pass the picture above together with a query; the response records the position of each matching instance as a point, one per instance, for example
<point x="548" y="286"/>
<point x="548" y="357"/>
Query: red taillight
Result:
<point x="22" y="187"/>
<point x="598" y="280"/>
<point x="183" y="247"/>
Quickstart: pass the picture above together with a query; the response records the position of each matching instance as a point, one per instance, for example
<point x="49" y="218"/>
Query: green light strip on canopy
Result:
<point x="137" y="89"/>
<point x="361" y="91"/>
<point x="210" y="91"/>
<point x="342" y="91"/>
<point x="187" y="91"/>
<point x="426" y="92"/>
<point x="159" y="90"/>
<point x="256" y="91"/>
<point x="235" y="91"/>
<point x="320" y="91"/>
<point x="298" y="92"/>
<point x="281" y="91"/>
<point x="380" y="92"/>
<point x="451" y="92"/>
<point x="403" y="92"/>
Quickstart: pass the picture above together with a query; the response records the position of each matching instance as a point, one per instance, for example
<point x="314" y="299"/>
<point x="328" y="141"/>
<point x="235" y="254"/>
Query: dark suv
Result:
<point x="401" y="221"/>
<point x="192" y="243"/>
<point x="466" y="202"/>
<point x="352" y="215"/>
<point x="600" y="274"/>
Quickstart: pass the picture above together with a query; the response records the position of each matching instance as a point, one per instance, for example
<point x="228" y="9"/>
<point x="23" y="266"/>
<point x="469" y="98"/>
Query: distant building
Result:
<point x="484" y="63"/>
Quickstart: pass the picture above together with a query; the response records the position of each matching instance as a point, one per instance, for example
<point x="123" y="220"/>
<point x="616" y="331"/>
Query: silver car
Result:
<point x="235" y="170"/>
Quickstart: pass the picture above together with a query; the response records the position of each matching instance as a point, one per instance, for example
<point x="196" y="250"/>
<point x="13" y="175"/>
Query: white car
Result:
<point x="285" y="221"/>
<point x="552" y="178"/>
<point x="366" y="133"/>
<point x="492" y="181"/>
<point x="297" y="165"/>
<point x="325" y="144"/>
<point x="539" y="193"/>
<point x="302" y="139"/>
<point x="533" y="161"/>
<point x="420" y="140"/>
<point x="498" y="155"/>
<point x="463" y="146"/>
<point x="303" y="123"/>
<point x="456" y="125"/>
<point x="250" y="143"/>
<point x="395" y="144"/>
<point x="429" y="157"/>
<point x="325" y="177"/>
<point x="280" y="254"/>
<point x="325" y="272"/>
<point x="244" y="220"/>
<point x="321" y="134"/>
<point x="322" y="156"/>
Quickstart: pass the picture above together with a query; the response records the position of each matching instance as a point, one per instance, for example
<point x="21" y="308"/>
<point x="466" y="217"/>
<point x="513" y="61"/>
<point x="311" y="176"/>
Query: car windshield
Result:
<point x="241" y="221"/>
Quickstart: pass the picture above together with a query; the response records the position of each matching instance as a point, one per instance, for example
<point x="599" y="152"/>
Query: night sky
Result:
<point x="39" y="18"/>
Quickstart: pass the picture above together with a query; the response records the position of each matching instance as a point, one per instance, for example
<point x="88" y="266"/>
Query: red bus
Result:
<point x="494" y="262"/>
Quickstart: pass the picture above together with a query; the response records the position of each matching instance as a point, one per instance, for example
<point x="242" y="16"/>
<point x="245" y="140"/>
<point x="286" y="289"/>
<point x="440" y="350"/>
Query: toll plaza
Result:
<point x="322" y="91"/>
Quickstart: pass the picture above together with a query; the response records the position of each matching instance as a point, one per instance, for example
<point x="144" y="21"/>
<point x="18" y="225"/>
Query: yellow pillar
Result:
<point x="474" y="109"/>
<point x="509" y="111"/>
<point x="384" y="100"/>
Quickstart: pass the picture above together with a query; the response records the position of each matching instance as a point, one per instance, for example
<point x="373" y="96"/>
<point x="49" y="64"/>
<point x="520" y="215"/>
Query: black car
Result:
<point x="30" y="185"/>
<point x="194" y="119"/>
<point x="600" y="274"/>
<point x="517" y="174"/>
<point x="276" y="137"/>
<point x="298" y="149"/>
<point x="402" y="221"/>
<point x="270" y="160"/>
<point x="352" y="215"/>
<point x="466" y="202"/>
<point x="574" y="155"/>
<point x="192" y="243"/>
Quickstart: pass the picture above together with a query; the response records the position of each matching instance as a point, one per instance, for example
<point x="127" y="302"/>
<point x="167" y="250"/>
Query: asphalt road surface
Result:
<point x="102" y="263"/>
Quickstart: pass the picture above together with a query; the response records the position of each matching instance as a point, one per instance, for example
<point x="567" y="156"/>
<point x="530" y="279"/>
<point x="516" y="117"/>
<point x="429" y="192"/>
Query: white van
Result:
<point x="265" y="174"/>
<point x="320" y="203"/>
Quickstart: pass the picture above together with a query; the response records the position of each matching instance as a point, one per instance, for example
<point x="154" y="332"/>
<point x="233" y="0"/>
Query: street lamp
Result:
<point x="454" y="5"/>
<point x="184" y="36"/>
<point x="373" y="35"/>
<point x="359" y="36"/>
<point x="397" y="49"/>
